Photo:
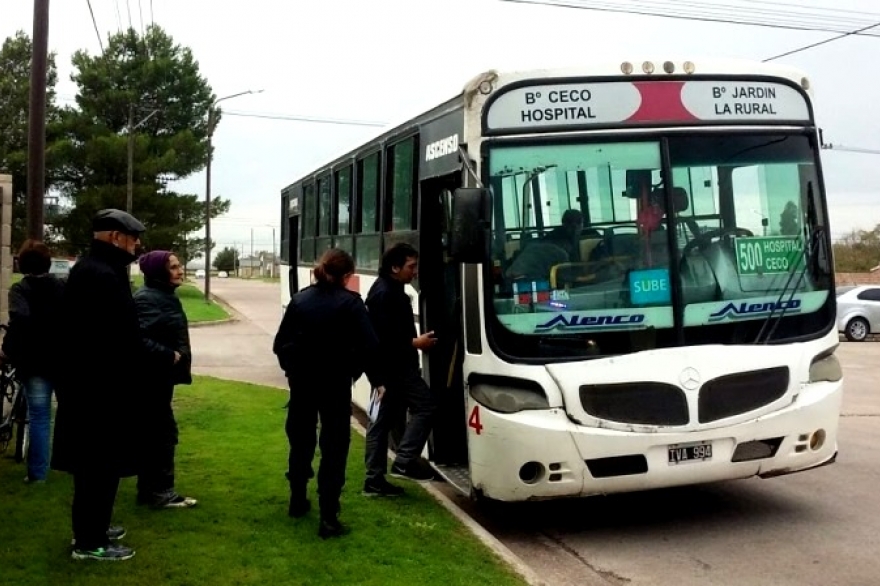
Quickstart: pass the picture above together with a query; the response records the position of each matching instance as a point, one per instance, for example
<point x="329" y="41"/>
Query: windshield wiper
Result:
<point x="817" y="236"/>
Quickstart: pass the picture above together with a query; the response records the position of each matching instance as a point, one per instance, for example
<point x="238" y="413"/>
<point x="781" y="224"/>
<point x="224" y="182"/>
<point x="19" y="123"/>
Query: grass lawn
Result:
<point x="232" y="457"/>
<point x="194" y="305"/>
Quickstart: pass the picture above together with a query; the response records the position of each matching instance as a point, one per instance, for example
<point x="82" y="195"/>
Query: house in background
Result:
<point x="258" y="266"/>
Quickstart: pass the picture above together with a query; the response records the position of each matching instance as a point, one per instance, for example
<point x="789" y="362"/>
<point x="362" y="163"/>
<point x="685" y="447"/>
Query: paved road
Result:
<point x="818" y="528"/>
<point x="241" y="350"/>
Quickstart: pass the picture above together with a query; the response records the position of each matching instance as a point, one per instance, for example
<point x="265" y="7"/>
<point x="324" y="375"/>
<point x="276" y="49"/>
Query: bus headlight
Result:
<point x="825" y="368"/>
<point x="510" y="398"/>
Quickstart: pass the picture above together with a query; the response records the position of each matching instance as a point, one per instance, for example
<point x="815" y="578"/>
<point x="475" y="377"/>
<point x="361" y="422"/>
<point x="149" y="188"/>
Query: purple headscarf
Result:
<point x="154" y="266"/>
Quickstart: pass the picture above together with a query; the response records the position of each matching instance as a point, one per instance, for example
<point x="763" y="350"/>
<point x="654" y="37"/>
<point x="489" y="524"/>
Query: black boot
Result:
<point x="299" y="503"/>
<point x="299" y="507"/>
<point x="331" y="527"/>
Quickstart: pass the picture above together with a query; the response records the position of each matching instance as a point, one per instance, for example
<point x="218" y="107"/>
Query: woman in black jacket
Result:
<point x="34" y="326"/>
<point x="324" y="344"/>
<point x="165" y="333"/>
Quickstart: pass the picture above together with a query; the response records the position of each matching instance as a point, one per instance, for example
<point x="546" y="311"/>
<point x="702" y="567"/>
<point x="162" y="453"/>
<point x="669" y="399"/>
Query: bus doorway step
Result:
<point x="457" y="476"/>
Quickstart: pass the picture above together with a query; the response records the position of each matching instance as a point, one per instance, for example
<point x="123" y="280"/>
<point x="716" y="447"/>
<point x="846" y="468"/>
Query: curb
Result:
<point x="490" y="541"/>
<point x="234" y="316"/>
<point x="216" y="322"/>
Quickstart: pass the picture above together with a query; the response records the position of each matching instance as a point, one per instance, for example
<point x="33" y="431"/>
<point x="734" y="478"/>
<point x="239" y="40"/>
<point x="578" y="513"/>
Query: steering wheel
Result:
<point x="706" y="238"/>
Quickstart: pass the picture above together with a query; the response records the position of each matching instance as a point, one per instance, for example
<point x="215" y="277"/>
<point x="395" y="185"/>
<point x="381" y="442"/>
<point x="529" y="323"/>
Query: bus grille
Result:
<point x="647" y="403"/>
<point x="742" y="392"/>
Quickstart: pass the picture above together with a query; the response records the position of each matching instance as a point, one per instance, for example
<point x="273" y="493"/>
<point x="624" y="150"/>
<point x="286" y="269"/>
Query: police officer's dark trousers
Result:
<point x="327" y="398"/>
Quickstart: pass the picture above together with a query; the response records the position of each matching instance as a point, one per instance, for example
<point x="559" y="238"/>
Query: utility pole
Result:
<point x="208" y="205"/>
<point x="251" y="274"/>
<point x="36" y="176"/>
<point x="208" y="189"/>
<point x="129" y="196"/>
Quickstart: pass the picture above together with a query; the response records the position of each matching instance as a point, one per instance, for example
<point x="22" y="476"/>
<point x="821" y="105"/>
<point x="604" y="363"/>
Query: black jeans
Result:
<point x="331" y="402"/>
<point x="94" y="494"/>
<point x="407" y="390"/>
<point x="156" y="472"/>
<point x="156" y="478"/>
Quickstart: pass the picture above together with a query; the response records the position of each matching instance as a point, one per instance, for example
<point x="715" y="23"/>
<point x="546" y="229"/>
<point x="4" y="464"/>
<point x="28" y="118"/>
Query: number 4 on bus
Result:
<point x="474" y="420"/>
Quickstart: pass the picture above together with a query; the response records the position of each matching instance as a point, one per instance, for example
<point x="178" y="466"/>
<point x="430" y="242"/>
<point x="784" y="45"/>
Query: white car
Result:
<point x="222" y="274"/>
<point x="200" y="274"/>
<point x="858" y="311"/>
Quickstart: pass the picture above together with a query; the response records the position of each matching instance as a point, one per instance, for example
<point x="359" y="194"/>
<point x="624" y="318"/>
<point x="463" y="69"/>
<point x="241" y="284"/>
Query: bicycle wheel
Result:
<point x="21" y="423"/>
<point x="7" y="406"/>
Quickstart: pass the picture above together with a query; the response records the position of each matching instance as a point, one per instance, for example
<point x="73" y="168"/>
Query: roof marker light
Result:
<point x="648" y="67"/>
<point x="626" y="67"/>
<point x="689" y="67"/>
<point x="669" y="67"/>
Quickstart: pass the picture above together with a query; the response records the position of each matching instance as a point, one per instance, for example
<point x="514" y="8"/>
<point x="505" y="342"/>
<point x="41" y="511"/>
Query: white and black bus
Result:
<point x="682" y="333"/>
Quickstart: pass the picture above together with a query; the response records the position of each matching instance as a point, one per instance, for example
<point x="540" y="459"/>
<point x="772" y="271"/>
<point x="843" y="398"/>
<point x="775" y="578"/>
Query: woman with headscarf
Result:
<point x="165" y="333"/>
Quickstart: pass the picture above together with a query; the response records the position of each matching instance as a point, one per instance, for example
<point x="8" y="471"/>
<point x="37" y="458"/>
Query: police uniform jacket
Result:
<point x="325" y="332"/>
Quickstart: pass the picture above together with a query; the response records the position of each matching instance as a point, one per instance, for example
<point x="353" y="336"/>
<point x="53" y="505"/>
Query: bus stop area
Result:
<point x="817" y="527"/>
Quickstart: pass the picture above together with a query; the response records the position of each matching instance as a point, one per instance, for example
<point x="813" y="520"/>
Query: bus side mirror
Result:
<point x="471" y="219"/>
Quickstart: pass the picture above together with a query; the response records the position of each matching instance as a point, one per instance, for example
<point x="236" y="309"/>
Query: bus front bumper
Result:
<point x="536" y="455"/>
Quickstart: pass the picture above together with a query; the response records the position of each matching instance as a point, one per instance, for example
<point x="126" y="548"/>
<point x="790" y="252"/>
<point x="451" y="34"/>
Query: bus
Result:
<point x="627" y="266"/>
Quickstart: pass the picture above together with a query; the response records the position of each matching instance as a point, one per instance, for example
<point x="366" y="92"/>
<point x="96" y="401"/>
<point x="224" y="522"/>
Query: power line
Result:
<point x="271" y="116"/>
<point x="713" y="13"/>
<point x="777" y="16"/>
<point x="95" y="23"/>
<point x="118" y="17"/>
<point x="299" y="118"/>
<point x="810" y="46"/>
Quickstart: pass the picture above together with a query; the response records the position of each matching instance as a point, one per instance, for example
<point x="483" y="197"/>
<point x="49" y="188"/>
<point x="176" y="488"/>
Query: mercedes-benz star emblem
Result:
<point x="689" y="378"/>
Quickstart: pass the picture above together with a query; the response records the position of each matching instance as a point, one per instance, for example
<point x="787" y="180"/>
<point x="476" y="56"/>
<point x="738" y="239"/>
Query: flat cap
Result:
<point x="110" y="220"/>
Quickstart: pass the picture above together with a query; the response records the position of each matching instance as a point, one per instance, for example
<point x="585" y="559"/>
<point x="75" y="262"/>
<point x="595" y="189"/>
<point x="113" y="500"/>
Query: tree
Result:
<point x="189" y="250"/>
<point x="226" y="260"/>
<point x="15" y="82"/>
<point x="154" y="85"/>
<point x="858" y="251"/>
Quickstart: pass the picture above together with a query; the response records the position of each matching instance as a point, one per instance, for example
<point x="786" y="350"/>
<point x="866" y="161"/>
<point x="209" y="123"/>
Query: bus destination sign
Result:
<point x="763" y="255"/>
<point x="555" y="106"/>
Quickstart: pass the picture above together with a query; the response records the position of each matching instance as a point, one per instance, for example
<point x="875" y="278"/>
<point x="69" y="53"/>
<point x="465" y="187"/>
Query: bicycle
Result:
<point x="13" y="412"/>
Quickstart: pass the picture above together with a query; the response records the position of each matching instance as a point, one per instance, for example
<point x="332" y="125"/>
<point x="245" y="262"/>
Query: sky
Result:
<point x="382" y="60"/>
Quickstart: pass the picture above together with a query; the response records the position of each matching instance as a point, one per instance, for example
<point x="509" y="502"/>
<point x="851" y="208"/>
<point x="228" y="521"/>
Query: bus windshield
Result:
<point x="612" y="247"/>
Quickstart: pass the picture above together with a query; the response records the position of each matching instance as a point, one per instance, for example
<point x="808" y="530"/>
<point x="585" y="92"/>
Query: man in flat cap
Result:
<point x="97" y="427"/>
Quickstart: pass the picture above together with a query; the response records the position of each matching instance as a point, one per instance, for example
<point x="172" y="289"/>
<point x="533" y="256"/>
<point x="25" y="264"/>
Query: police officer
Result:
<point x="324" y="343"/>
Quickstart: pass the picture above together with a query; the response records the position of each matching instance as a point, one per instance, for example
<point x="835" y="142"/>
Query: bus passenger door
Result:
<point x="440" y="311"/>
<point x="293" y="253"/>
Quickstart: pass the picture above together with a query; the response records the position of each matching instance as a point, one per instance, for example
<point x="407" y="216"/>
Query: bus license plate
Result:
<point x="685" y="453"/>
